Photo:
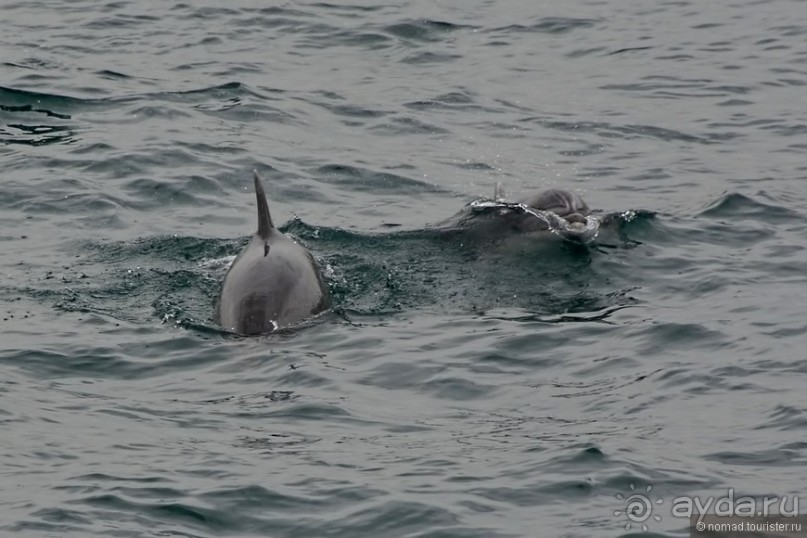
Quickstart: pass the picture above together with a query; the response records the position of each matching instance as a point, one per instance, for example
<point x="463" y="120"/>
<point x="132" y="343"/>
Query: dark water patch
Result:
<point x="279" y="10"/>
<point x="57" y="195"/>
<point x="692" y="382"/>
<point x="424" y="58"/>
<point x="407" y="126"/>
<point x="203" y="519"/>
<point x="193" y="66"/>
<point x="11" y="97"/>
<point x="736" y="90"/>
<point x="455" y="388"/>
<point x="260" y="399"/>
<point x="579" y="53"/>
<point x="156" y="191"/>
<point x="207" y="149"/>
<point x="349" y="9"/>
<point x="671" y="337"/>
<point x="221" y="92"/>
<point x="735" y="102"/>
<point x="400" y="376"/>
<point x="547" y="25"/>
<point x="34" y="79"/>
<point x="119" y="21"/>
<point x="364" y="180"/>
<point x="130" y="293"/>
<point x="105" y="477"/>
<point x="156" y="111"/>
<point x="172" y="249"/>
<point x="448" y="275"/>
<point x="591" y="455"/>
<point x="505" y="130"/>
<point x="607" y="130"/>
<point x="475" y="165"/>
<point x="793" y="82"/>
<point x="785" y="417"/>
<point x="730" y="234"/>
<point x="307" y="411"/>
<point x="669" y="87"/>
<point x="65" y="519"/>
<point x="51" y="363"/>
<point x="537" y="494"/>
<point x="115" y="75"/>
<point x="33" y="63"/>
<point x="790" y="30"/>
<point x="789" y="130"/>
<point x="424" y="30"/>
<point x="29" y="108"/>
<point x="297" y="377"/>
<point x="132" y="360"/>
<point x="92" y="149"/>
<point x="393" y="516"/>
<point x="595" y="315"/>
<point x="25" y="526"/>
<point x="449" y="101"/>
<point x="239" y="70"/>
<point x="767" y="458"/>
<point x="36" y="135"/>
<point x="237" y="110"/>
<point x="455" y="98"/>
<point x="365" y="40"/>
<point x="353" y="111"/>
<point x="325" y="496"/>
<point x="627" y="49"/>
<point x="587" y="149"/>
<point x="207" y="12"/>
<point x="787" y="332"/>
<point x="308" y="34"/>
<point x="509" y="359"/>
<point x="32" y="124"/>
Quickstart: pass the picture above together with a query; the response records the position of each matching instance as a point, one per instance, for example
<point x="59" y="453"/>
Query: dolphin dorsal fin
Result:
<point x="265" y="225"/>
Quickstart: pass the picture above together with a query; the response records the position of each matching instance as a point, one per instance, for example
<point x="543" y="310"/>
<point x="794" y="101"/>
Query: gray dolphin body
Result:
<point x="555" y="210"/>
<point x="273" y="283"/>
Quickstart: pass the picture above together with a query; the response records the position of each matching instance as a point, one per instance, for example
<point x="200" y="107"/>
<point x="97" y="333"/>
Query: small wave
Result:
<point x="740" y="207"/>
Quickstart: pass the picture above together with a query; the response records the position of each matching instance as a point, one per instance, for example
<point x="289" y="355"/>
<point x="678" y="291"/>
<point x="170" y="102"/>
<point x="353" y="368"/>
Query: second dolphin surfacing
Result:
<point x="554" y="211"/>
<point x="273" y="283"/>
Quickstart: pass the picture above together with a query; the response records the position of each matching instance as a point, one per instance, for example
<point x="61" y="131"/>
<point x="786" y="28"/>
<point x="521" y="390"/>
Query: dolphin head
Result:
<point x="567" y="205"/>
<point x="566" y="214"/>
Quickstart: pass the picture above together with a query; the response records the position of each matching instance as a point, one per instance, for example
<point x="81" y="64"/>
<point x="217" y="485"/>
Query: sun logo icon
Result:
<point x="638" y="507"/>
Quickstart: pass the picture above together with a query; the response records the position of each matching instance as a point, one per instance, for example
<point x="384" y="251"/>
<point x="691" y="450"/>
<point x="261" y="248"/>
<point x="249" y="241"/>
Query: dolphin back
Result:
<point x="274" y="282"/>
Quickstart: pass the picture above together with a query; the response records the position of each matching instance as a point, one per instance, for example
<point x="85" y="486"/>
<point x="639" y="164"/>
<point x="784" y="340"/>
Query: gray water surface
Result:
<point x="457" y="389"/>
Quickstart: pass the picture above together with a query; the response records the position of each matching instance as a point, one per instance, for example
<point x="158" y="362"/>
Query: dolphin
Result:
<point x="273" y="283"/>
<point x="560" y="212"/>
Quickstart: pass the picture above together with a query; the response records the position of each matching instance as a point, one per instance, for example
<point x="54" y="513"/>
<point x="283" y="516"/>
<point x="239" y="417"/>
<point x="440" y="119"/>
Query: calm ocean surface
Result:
<point x="457" y="390"/>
